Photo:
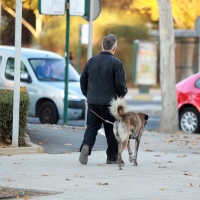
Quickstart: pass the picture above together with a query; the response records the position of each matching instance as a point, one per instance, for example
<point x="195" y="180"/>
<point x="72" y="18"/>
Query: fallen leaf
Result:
<point x="157" y="155"/>
<point x="169" y="161"/>
<point x="101" y="164"/>
<point x="182" y="155"/>
<point x="26" y="198"/>
<point x="149" y="150"/>
<point x="157" y="163"/>
<point x="46" y="174"/>
<point x="76" y="175"/>
<point x="102" y="183"/>
<point x="195" y="152"/>
<point x="73" y="129"/>
<point x="68" y="179"/>
<point x="40" y="142"/>
<point x="187" y="174"/>
<point x="161" y="189"/>
<point x="162" y="167"/>
<point x="191" y="184"/>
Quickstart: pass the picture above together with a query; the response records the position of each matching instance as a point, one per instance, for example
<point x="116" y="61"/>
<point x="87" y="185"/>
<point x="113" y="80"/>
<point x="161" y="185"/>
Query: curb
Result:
<point x="144" y="97"/>
<point x="31" y="149"/>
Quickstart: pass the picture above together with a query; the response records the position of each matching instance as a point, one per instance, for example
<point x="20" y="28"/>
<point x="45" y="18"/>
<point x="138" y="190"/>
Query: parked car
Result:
<point x="42" y="73"/>
<point x="188" y="95"/>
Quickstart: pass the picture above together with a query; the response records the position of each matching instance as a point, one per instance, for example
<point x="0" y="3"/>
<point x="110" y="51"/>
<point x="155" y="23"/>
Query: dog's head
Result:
<point x="144" y="117"/>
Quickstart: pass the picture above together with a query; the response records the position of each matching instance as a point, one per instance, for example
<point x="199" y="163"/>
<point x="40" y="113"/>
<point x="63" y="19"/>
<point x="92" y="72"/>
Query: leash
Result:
<point x="105" y="120"/>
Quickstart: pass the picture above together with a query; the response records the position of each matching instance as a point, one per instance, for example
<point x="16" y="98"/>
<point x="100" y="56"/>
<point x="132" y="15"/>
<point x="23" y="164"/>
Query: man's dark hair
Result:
<point x="109" y="42"/>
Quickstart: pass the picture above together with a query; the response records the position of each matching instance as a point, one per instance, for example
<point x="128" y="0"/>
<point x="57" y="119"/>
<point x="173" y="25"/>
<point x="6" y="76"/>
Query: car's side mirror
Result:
<point x="24" y="76"/>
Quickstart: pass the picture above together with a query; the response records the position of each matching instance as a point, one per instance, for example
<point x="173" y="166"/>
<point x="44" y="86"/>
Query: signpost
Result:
<point x="50" y="7"/>
<point x="18" y="28"/>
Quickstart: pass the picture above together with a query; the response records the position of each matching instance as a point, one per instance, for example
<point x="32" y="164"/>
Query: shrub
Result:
<point x="6" y="115"/>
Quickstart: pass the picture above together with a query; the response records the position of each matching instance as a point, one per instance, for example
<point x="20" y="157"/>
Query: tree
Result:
<point x="184" y="12"/>
<point x="169" y="115"/>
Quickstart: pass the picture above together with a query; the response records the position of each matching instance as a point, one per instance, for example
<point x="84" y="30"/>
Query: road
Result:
<point x="152" y="108"/>
<point x="54" y="141"/>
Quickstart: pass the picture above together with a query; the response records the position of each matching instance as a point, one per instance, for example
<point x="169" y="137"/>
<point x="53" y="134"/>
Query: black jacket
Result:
<point x="103" y="78"/>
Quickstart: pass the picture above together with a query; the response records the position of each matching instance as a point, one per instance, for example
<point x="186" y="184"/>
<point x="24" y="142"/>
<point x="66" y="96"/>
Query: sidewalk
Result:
<point x="154" y="94"/>
<point x="168" y="170"/>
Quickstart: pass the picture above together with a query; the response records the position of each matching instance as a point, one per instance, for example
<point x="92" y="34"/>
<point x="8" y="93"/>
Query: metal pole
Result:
<point x="18" y="27"/>
<point x="67" y="62"/>
<point x="90" y="35"/>
<point x="79" y="51"/>
<point x="89" y="53"/>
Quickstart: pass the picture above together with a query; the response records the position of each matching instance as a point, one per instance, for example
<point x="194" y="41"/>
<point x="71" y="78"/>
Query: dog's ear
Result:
<point x="146" y="117"/>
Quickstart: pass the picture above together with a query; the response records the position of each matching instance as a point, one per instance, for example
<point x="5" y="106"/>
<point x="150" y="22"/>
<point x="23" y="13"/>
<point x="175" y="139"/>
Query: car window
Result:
<point x="197" y="83"/>
<point x="9" y="72"/>
<point x="47" y="69"/>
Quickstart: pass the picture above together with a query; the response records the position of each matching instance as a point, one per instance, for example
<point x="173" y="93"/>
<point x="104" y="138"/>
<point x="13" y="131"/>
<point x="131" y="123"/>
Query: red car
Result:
<point x="188" y="95"/>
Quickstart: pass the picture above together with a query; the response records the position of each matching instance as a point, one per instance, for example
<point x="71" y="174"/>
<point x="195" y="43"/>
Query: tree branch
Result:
<point x="24" y="22"/>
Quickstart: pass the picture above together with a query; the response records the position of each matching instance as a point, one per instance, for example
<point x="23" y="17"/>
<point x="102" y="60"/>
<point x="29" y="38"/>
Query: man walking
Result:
<point x="103" y="78"/>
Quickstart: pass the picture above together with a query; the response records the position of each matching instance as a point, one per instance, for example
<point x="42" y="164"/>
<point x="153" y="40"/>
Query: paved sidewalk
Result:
<point x="168" y="170"/>
<point x="154" y="94"/>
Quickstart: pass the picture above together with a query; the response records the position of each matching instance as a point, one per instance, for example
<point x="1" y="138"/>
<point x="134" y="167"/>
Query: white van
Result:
<point x="42" y="73"/>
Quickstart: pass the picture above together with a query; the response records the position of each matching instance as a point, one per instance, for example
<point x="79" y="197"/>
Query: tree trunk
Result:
<point x="169" y="115"/>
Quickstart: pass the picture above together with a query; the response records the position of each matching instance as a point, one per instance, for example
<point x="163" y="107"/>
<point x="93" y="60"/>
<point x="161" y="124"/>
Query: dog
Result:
<point x="128" y="125"/>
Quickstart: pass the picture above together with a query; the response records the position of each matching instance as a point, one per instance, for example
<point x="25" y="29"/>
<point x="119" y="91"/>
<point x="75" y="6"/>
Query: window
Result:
<point x="197" y="83"/>
<point x="50" y="69"/>
<point x="9" y="72"/>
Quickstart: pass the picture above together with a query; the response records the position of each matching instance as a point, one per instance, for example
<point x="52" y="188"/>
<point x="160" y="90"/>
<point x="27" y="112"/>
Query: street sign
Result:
<point x="84" y="33"/>
<point x="78" y="7"/>
<point x="96" y="10"/>
<point x="51" y="7"/>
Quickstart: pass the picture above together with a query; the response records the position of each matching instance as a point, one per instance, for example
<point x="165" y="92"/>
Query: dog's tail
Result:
<point x="118" y="108"/>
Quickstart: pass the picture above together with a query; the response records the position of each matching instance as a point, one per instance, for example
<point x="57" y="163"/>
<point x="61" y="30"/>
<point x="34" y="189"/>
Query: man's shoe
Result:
<point x="83" y="158"/>
<point x="110" y="161"/>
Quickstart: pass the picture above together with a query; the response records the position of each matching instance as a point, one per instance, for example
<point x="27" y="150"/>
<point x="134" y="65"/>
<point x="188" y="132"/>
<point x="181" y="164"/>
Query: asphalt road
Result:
<point x="55" y="140"/>
<point x="152" y="108"/>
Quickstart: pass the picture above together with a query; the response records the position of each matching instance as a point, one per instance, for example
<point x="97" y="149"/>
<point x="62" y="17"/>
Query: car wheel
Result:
<point x="189" y="120"/>
<point x="48" y="113"/>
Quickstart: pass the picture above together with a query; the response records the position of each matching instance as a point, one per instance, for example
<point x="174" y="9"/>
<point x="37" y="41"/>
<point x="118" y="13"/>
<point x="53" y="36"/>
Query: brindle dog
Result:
<point x="128" y="125"/>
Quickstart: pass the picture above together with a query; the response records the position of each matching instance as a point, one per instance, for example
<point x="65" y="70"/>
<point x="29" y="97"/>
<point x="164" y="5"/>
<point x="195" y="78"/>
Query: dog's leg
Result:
<point x="120" y="155"/>
<point x="137" y="143"/>
<point x="130" y="152"/>
<point x="123" y="146"/>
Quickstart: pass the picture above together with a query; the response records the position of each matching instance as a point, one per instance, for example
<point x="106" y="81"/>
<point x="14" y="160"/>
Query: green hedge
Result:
<point x="6" y="116"/>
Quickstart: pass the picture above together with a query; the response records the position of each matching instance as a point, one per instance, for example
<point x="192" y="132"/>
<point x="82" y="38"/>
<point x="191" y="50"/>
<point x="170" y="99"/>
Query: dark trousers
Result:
<point x="94" y="123"/>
